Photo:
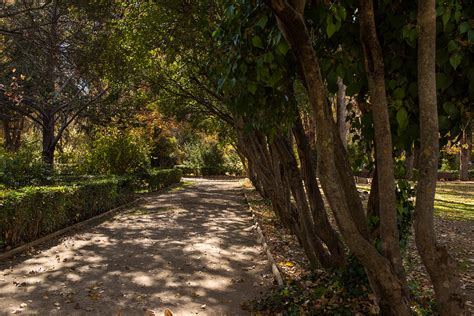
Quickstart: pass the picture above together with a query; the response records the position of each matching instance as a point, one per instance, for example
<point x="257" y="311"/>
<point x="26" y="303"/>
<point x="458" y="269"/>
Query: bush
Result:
<point x="23" y="167"/>
<point x="186" y="170"/>
<point x="157" y="179"/>
<point x="117" y="153"/>
<point x="31" y="212"/>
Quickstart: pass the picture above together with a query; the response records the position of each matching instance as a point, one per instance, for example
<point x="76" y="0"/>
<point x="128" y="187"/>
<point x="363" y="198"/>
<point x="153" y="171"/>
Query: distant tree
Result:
<point x="50" y="77"/>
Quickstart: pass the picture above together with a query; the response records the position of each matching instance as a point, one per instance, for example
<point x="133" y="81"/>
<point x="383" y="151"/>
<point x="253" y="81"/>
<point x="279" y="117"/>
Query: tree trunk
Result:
<point x="374" y="66"/>
<point x="48" y="142"/>
<point x="308" y="171"/>
<point x="341" y="111"/>
<point x="335" y="172"/>
<point x="12" y="130"/>
<point x="465" y="153"/>
<point x="441" y="267"/>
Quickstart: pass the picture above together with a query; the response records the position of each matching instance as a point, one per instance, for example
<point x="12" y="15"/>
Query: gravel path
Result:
<point x="192" y="250"/>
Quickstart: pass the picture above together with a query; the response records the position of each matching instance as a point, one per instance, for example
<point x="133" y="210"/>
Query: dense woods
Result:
<point x="302" y="97"/>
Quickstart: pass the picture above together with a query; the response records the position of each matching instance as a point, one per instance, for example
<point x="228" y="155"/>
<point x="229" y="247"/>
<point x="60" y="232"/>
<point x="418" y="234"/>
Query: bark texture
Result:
<point x="441" y="267"/>
<point x="465" y="153"/>
<point x="334" y="168"/>
<point x="374" y="65"/>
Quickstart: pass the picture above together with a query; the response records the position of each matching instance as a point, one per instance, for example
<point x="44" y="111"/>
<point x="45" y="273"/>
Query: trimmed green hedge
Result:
<point x="31" y="212"/>
<point x="158" y="179"/>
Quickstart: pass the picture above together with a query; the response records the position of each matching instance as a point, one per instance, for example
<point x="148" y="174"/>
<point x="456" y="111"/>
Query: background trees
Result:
<point x="279" y="82"/>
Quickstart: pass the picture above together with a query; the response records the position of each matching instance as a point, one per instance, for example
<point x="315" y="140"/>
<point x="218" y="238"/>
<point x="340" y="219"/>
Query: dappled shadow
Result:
<point x="192" y="250"/>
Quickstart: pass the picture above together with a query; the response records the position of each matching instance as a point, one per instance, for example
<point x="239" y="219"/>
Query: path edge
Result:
<point x="262" y="240"/>
<point x="66" y="230"/>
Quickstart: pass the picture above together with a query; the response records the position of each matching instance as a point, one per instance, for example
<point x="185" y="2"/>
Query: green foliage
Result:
<point x="209" y="158"/>
<point x="255" y="74"/>
<point x="405" y="210"/>
<point x="164" y="151"/>
<point x="24" y="167"/>
<point x="158" y="179"/>
<point x="117" y="152"/>
<point x="31" y="212"/>
<point x="323" y="293"/>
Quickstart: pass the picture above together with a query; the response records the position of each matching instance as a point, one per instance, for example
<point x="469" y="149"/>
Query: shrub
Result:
<point x="23" y="167"/>
<point x="117" y="153"/>
<point x="30" y="212"/>
<point x="157" y="179"/>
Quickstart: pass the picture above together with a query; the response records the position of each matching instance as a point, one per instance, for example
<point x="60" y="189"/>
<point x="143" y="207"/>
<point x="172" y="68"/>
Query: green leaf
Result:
<point x="470" y="35"/>
<point x="442" y="81"/>
<point x="399" y="93"/>
<point x="464" y="27"/>
<point x="451" y="109"/>
<point x="282" y="47"/>
<point x="446" y="16"/>
<point x="455" y="60"/>
<point x="257" y="42"/>
<point x="402" y="119"/>
<point x="331" y="27"/>
<point x="263" y="21"/>
<point x="252" y="87"/>
<point x="452" y="45"/>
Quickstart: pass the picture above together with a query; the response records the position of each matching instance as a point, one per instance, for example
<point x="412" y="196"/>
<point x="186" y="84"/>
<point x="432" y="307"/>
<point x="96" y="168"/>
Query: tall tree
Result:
<point x="441" y="267"/>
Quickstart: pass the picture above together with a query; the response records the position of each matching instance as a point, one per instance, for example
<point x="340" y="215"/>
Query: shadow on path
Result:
<point x="192" y="250"/>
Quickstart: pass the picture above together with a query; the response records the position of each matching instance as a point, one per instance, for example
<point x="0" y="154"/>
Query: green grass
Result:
<point x="182" y="185"/>
<point x="454" y="200"/>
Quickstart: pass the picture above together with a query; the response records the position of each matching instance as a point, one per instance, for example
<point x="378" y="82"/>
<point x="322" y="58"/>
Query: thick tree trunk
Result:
<point x="49" y="144"/>
<point x="441" y="267"/>
<point x="341" y="111"/>
<point x="465" y="153"/>
<point x="335" y="172"/>
<point x="374" y="66"/>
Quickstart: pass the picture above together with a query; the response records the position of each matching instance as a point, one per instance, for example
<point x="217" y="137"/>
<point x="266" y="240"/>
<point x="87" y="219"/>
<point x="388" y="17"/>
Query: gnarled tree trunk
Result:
<point x="441" y="267"/>
<point x="335" y="172"/>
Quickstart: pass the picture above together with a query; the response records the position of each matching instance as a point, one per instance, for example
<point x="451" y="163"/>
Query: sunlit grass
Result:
<point x="454" y="200"/>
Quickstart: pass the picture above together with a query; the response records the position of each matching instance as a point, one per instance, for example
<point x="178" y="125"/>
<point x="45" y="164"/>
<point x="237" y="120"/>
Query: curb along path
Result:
<point x="192" y="250"/>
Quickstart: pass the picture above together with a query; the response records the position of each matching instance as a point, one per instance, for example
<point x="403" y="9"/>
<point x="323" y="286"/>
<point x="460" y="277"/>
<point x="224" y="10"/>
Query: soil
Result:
<point x="192" y="250"/>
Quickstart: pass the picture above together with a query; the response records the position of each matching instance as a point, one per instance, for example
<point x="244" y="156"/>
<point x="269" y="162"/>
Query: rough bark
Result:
<point x="441" y="267"/>
<point x="465" y="153"/>
<point x="374" y="66"/>
<point x="318" y="210"/>
<point x="341" y="111"/>
<point x="335" y="173"/>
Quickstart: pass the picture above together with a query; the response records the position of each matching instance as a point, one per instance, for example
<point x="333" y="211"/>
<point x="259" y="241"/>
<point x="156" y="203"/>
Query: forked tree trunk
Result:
<point x="335" y="172"/>
<point x="441" y="267"/>
<point x="465" y="153"/>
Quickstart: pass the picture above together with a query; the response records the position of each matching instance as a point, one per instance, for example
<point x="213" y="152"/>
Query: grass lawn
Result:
<point x="453" y="200"/>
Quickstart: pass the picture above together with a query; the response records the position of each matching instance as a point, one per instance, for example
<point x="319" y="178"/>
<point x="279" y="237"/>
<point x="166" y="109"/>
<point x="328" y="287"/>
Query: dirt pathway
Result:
<point x="192" y="250"/>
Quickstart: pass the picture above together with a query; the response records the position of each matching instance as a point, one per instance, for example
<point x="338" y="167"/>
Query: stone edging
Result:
<point x="63" y="231"/>
<point x="261" y="239"/>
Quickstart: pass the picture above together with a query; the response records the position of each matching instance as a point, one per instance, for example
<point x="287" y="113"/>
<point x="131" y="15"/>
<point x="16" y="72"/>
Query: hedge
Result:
<point x="157" y="179"/>
<point x="31" y="212"/>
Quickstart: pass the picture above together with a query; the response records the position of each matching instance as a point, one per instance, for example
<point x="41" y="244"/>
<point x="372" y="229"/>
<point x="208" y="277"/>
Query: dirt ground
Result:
<point x="192" y="250"/>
